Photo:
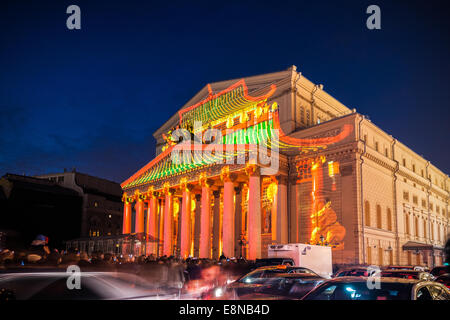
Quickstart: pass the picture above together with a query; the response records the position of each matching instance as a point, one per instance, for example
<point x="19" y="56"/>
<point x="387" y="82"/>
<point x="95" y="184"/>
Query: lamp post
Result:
<point x="242" y="242"/>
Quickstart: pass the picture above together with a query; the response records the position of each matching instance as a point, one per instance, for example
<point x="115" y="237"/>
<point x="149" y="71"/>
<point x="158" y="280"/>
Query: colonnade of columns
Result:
<point x="216" y="231"/>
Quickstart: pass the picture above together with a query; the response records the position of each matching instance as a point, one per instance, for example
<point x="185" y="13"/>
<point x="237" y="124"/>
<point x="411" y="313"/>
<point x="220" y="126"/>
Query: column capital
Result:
<point x="151" y="192"/>
<point x="127" y="199"/>
<point x="168" y="190"/>
<point x="280" y="179"/>
<point x="292" y="180"/>
<point x="204" y="181"/>
<point x="185" y="186"/>
<point x="226" y="175"/>
<point x="252" y="169"/>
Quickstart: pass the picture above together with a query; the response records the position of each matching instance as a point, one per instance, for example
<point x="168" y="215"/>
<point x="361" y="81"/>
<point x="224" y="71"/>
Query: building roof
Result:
<point x="254" y="84"/>
<point x="26" y="182"/>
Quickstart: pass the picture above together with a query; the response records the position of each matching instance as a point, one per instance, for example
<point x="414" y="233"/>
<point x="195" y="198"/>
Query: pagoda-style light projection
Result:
<point x="241" y="124"/>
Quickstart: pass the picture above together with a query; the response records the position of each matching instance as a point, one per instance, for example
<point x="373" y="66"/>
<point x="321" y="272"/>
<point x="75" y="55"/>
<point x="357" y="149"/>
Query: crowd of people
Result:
<point x="169" y="271"/>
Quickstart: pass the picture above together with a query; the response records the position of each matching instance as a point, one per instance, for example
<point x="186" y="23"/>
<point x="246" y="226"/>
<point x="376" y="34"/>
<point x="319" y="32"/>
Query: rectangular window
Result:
<point x="386" y="152"/>
<point x="380" y="256"/>
<point x="415" y="200"/>
<point x="379" y="218"/>
<point x="417" y="226"/>
<point x="389" y="219"/>
<point x="406" y="195"/>
<point x="425" y="229"/>
<point x="424" y="203"/>
<point x="407" y="224"/>
<point x="432" y="231"/>
<point x="404" y="162"/>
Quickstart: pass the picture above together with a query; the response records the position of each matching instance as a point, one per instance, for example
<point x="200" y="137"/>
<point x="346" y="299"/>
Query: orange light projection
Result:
<point x="326" y="230"/>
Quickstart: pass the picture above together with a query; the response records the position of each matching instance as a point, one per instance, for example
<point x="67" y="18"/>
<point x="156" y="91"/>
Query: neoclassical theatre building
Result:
<point x="273" y="159"/>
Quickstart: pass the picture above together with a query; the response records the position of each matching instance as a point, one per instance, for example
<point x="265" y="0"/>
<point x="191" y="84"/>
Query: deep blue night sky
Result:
<point x="92" y="98"/>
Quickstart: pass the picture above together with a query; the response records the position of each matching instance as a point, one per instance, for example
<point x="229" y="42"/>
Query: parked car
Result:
<point x="444" y="279"/>
<point x="355" y="288"/>
<point x="437" y="271"/>
<point x="407" y="274"/>
<point x="274" y="262"/>
<point x="284" y="282"/>
<point x="352" y="272"/>
<point x="417" y="268"/>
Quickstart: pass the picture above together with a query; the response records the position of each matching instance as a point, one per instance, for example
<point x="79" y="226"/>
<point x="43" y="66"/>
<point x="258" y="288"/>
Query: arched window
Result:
<point x="367" y="213"/>
<point x="389" y="219"/>
<point x="379" y="219"/>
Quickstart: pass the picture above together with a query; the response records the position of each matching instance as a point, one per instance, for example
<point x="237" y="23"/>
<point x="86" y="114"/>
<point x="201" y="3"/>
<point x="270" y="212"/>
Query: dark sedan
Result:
<point x="282" y="282"/>
<point x="407" y="274"/>
<point x="352" y="288"/>
<point x="440" y="270"/>
<point x="444" y="279"/>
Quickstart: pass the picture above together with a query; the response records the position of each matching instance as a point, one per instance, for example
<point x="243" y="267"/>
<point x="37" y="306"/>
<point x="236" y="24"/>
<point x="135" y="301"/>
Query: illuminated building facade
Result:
<point x="274" y="159"/>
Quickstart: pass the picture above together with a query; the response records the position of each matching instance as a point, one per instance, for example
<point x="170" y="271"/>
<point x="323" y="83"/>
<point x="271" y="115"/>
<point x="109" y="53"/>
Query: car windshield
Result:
<point x="361" y="291"/>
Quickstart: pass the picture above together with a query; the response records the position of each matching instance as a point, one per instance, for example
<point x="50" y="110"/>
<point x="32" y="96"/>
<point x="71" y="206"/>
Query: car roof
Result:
<point x="272" y="259"/>
<point x="280" y="267"/>
<point x="296" y="275"/>
<point x="352" y="268"/>
<point x="365" y="279"/>
<point x="402" y="271"/>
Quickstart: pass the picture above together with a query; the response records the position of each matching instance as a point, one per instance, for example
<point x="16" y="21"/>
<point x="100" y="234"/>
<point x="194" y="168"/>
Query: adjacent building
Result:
<point x="274" y="159"/>
<point x="62" y="206"/>
<point x="102" y="206"/>
<point x="30" y="206"/>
